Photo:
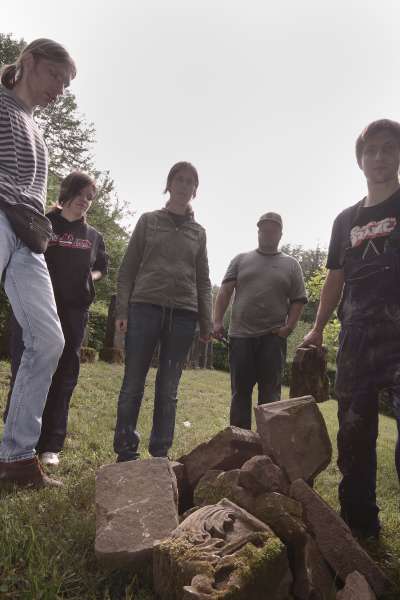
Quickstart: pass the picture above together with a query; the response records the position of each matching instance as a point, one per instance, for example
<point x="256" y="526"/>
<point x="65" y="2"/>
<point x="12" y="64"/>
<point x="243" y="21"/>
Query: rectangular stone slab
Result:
<point x="293" y="433"/>
<point x="334" y="539"/>
<point x="136" y="507"/>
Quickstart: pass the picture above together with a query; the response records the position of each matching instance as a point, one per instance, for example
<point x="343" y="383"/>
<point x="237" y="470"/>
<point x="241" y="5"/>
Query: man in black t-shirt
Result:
<point x="363" y="273"/>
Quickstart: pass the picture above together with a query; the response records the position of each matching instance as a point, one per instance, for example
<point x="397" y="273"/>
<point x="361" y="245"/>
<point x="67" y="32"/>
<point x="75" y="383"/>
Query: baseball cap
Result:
<point x="270" y="216"/>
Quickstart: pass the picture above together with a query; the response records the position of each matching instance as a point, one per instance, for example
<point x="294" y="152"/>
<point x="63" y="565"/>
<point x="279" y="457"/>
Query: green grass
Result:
<point x="47" y="536"/>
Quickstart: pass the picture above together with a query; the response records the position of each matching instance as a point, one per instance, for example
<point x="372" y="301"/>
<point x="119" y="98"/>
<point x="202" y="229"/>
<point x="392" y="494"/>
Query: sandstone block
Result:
<point x="293" y="433"/>
<point x="259" y="474"/>
<point x="281" y="513"/>
<point x="312" y="577"/>
<point x="227" y="450"/>
<point x="136" y="507"/>
<point x="356" y="588"/>
<point x="185" y="494"/>
<point x="309" y="376"/>
<point x="334" y="539"/>
<point x="216" y="485"/>
<point x="221" y="552"/>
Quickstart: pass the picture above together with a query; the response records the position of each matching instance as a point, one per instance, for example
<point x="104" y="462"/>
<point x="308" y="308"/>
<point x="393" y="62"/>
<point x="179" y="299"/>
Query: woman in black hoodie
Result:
<point x="75" y="257"/>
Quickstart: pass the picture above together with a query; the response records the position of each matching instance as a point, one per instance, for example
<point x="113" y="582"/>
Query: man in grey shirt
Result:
<point x="268" y="301"/>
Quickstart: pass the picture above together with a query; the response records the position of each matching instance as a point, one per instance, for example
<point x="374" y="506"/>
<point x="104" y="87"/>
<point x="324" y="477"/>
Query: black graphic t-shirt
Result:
<point x="74" y="250"/>
<point x="359" y="245"/>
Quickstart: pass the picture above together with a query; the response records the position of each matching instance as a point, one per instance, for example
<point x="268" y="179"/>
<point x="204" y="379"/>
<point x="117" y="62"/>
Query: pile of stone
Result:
<point x="237" y="517"/>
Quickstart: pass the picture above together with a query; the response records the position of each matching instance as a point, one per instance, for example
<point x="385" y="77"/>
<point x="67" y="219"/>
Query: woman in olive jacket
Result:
<point x="163" y="290"/>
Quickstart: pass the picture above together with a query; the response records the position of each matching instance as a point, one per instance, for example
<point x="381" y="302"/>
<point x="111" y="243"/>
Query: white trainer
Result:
<point x="49" y="458"/>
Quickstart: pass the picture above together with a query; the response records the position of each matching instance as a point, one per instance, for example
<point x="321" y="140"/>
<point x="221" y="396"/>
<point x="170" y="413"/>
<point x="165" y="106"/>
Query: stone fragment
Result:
<point x="356" y="588"/>
<point x="293" y="433"/>
<point x="281" y="513"/>
<point x="309" y="376"/>
<point x="227" y="450"/>
<point x="259" y="474"/>
<point x="334" y="539"/>
<point x="185" y="494"/>
<point x="136" y="507"/>
<point x="216" y="485"/>
<point x="312" y="577"/>
<point x="220" y="552"/>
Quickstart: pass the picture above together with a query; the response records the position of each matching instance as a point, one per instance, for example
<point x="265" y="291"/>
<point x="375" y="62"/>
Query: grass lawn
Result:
<point x="47" y="536"/>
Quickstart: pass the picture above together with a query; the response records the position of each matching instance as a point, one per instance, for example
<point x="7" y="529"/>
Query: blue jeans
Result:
<point x="255" y="360"/>
<point x="174" y="330"/>
<point x="29" y="290"/>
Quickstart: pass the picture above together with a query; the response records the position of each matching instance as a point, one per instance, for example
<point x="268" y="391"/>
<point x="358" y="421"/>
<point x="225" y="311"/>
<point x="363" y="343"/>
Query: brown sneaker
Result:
<point x="26" y="473"/>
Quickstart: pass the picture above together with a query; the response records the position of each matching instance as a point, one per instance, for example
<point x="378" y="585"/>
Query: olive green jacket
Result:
<point x="168" y="266"/>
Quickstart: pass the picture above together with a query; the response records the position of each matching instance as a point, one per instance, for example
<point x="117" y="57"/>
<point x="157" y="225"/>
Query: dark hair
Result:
<point x="40" y="48"/>
<point x="392" y="127"/>
<point x="177" y="167"/>
<point x="72" y="184"/>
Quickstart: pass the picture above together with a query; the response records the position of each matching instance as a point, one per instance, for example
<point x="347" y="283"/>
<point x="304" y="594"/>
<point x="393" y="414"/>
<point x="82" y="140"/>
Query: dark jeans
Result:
<point x="254" y="360"/>
<point x="55" y="414"/>
<point x="149" y="325"/>
<point x="368" y="361"/>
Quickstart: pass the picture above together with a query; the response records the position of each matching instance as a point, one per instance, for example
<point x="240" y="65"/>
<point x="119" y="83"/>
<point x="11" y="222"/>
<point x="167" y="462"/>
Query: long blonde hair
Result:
<point x="40" y="48"/>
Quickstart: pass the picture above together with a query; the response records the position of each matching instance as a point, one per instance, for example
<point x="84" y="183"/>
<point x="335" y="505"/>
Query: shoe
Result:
<point x="26" y="473"/>
<point x="49" y="458"/>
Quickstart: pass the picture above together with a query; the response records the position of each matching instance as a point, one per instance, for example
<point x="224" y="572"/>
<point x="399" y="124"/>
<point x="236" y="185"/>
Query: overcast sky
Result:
<point x="266" y="99"/>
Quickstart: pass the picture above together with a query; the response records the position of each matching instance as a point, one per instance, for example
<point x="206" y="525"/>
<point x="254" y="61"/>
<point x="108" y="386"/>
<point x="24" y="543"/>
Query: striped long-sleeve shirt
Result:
<point x="23" y="154"/>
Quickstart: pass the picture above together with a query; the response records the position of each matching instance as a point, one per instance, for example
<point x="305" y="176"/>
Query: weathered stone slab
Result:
<point x="293" y="433"/>
<point x="312" y="577"/>
<point x="309" y="376"/>
<point x="227" y="450"/>
<point x="220" y="552"/>
<point x="136" y="507"/>
<point x="356" y="588"/>
<point x="259" y="474"/>
<point x="334" y="539"/>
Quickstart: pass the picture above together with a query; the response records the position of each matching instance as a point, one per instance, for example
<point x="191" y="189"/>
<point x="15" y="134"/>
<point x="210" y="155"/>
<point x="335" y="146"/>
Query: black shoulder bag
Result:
<point x="29" y="225"/>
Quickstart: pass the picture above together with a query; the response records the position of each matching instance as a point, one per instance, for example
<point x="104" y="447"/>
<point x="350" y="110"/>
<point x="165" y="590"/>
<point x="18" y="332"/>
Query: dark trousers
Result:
<point x="368" y="361"/>
<point x="55" y="414"/>
<point x="149" y="325"/>
<point x="254" y="360"/>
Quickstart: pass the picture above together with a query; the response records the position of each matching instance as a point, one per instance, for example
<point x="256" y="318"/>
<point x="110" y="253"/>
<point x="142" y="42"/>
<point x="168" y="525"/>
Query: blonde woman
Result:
<point x="41" y="73"/>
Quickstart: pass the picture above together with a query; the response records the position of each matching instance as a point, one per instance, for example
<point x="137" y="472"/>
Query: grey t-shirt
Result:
<point x="266" y="285"/>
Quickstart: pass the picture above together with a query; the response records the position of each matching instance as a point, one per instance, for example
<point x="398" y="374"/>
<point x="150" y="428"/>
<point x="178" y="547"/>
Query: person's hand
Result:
<point x="283" y="332"/>
<point x="218" y="330"/>
<point x="121" y="325"/>
<point x="313" y="338"/>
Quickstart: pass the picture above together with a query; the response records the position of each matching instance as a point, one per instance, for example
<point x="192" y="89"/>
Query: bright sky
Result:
<point x="266" y="99"/>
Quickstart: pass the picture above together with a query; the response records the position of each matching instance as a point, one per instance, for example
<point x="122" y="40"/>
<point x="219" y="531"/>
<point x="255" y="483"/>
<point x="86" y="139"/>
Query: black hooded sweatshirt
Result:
<point x="74" y="251"/>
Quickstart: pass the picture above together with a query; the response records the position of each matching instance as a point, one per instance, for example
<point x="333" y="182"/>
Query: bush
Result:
<point x="97" y="325"/>
<point x="220" y="356"/>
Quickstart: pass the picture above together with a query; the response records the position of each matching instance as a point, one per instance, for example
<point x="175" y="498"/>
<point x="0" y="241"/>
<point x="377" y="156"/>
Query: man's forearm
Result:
<point x="221" y="304"/>
<point x="330" y="296"/>
<point x="295" y="310"/>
